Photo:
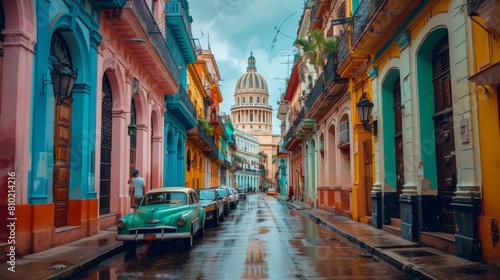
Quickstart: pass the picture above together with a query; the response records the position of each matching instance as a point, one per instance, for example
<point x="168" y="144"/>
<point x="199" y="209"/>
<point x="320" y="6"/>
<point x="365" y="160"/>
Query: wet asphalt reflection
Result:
<point x="262" y="239"/>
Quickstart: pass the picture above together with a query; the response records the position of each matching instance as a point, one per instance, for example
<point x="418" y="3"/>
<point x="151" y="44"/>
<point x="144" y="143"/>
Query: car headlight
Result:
<point x="181" y="221"/>
<point x="210" y="208"/>
<point x="121" y="223"/>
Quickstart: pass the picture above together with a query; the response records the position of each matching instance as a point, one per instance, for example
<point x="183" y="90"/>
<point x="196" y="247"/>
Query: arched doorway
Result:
<point x="438" y="162"/>
<point x="398" y="141"/>
<point x="443" y="131"/>
<point x="59" y="50"/>
<point x="392" y="145"/>
<point x="106" y="143"/>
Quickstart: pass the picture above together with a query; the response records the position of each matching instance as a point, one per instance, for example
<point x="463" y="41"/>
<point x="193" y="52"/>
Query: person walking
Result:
<point x="290" y="193"/>
<point x="138" y="187"/>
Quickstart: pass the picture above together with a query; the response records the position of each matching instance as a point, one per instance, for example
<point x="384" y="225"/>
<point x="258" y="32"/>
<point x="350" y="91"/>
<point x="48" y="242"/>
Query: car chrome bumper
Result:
<point x="156" y="234"/>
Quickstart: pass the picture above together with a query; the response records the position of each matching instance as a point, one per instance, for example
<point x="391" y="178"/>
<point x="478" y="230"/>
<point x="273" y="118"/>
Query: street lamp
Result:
<point x="365" y="111"/>
<point x="132" y="129"/>
<point x="63" y="80"/>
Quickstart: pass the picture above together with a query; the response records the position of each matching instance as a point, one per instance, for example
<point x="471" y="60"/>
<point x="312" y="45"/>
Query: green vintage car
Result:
<point x="172" y="213"/>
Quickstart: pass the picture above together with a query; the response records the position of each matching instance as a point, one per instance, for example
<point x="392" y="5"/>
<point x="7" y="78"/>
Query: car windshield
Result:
<point x="207" y="194"/>
<point x="164" y="198"/>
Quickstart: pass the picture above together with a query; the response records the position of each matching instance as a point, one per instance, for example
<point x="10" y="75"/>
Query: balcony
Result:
<point x="334" y="84"/>
<point x="179" y="22"/>
<point x="304" y="126"/>
<point x="487" y="9"/>
<point x="217" y="125"/>
<point x="289" y="140"/>
<point x="315" y="93"/>
<point x="199" y="136"/>
<point x="226" y="165"/>
<point x="318" y="9"/>
<point x="110" y="4"/>
<point x="373" y="24"/>
<point x="320" y="100"/>
<point x="283" y="109"/>
<point x="180" y="106"/>
<point x="281" y="152"/>
<point x="221" y="158"/>
<point x="134" y="20"/>
<point x="473" y="6"/>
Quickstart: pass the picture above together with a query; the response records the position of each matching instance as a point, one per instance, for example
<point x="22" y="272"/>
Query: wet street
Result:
<point x="261" y="239"/>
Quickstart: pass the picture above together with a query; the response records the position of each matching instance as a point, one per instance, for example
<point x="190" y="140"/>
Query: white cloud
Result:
<point x="237" y="27"/>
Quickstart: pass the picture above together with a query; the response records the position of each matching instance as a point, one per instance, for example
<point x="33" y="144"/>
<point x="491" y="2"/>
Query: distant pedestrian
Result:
<point x="290" y="194"/>
<point x="138" y="187"/>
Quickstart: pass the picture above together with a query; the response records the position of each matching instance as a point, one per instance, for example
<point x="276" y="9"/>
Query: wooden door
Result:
<point x="62" y="147"/>
<point x="444" y="136"/>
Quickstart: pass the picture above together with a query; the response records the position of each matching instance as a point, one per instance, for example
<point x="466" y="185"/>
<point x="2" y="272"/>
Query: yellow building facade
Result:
<point x="485" y="78"/>
<point x="415" y="154"/>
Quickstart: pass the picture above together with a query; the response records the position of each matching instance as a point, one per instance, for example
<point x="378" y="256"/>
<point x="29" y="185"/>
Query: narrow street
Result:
<point x="261" y="239"/>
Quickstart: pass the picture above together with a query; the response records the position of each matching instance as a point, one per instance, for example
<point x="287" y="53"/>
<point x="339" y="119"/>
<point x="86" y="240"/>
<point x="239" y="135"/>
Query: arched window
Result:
<point x="243" y="100"/>
<point x="259" y="118"/>
<point x="264" y="100"/>
<point x="251" y="117"/>
<point x="250" y="100"/>
<point x="258" y="99"/>
<point x="238" y="100"/>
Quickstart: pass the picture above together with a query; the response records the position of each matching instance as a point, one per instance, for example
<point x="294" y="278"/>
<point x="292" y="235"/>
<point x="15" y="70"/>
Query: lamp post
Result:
<point x="365" y="107"/>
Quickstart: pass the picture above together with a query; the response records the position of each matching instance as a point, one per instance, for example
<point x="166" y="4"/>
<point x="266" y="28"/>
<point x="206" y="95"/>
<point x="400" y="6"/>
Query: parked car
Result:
<point x="271" y="191"/>
<point x="242" y="195"/>
<point x="214" y="207"/>
<point x="224" y="197"/>
<point x="164" y="214"/>
<point x="231" y="196"/>
<point x="236" y="196"/>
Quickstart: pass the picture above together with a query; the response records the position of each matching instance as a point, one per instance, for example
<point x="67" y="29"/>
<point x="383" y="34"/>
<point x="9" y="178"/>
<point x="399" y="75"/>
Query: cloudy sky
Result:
<point x="237" y="27"/>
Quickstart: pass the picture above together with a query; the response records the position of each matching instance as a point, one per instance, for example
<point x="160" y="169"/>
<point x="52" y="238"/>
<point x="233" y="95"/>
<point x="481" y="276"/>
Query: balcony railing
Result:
<point x="315" y="92"/>
<point x="362" y="16"/>
<point x="208" y="139"/>
<point x="344" y="47"/>
<point x="300" y="117"/>
<point x="183" y="98"/>
<point x="473" y="6"/>
<point x="156" y="36"/>
<point x="331" y="68"/>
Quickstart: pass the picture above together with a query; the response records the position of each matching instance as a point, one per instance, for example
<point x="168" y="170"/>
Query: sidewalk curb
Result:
<point x="377" y="253"/>
<point x="88" y="264"/>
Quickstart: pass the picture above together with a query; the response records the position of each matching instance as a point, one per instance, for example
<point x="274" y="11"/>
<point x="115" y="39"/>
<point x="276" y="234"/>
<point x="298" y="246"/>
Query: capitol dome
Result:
<point x="251" y="80"/>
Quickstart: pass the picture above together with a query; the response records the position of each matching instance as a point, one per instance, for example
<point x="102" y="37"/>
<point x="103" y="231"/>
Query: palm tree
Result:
<point x="316" y="48"/>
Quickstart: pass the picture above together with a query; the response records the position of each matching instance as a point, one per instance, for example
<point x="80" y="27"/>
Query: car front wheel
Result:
<point x="188" y="243"/>
<point x="216" y="218"/>
<point x="129" y="246"/>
